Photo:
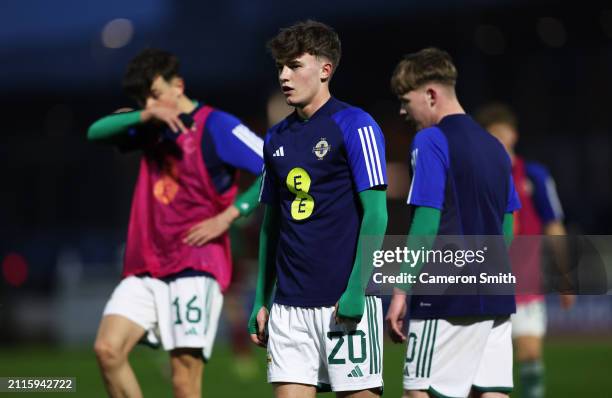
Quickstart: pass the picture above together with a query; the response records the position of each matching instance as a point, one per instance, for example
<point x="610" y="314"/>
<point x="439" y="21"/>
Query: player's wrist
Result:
<point x="145" y="115"/>
<point x="230" y="214"/>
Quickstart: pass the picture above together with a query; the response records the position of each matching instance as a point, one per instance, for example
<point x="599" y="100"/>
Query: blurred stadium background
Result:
<point x="64" y="203"/>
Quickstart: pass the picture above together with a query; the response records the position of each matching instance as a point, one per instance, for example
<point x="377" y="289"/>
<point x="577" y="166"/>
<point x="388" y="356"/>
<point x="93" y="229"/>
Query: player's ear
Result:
<point x="431" y="96"/>
<point x="326" y="70"/>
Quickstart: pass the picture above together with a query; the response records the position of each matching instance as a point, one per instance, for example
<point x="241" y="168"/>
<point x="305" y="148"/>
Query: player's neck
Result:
<point x="186" y="105"/>
<point x="313" y="106"/>
<point x="450" y="108"/>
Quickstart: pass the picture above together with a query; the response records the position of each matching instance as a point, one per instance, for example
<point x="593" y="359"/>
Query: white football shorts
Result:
<point x="306" y="346"/>
<point x="529" y="320"/>
<point x="449" y="357"/>
<point x="183" y="313"/>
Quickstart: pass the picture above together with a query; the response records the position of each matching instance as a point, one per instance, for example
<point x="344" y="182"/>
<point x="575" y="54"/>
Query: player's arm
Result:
<point x="373" y="226"/>
<point x="213" y="227"/>
<point x="423" y="229"/>
<point x="121" y="123"/>
<point x="365" y="147"/>
<point x="266" y="275"/>
<point x="508" y="228"/>
<point x="549" y="210"/>
<point x="239" y="147"/>
<point x="429" y="160"/>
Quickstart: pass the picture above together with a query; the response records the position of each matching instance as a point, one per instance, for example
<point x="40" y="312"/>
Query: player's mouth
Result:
<point x="287" y="90"/>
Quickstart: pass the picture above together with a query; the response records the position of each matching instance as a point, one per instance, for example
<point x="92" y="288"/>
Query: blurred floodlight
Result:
<point x="552" y="32"/>
<point x="117" y="33"/>
<point x="490" y="39"/>
<point x="606" y="22"/>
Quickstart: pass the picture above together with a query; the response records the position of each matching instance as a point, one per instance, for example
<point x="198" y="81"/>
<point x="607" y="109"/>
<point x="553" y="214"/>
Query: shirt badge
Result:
<point x="321" y="149"/>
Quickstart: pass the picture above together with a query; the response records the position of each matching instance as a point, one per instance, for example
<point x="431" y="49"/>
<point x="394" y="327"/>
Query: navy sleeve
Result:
<point x="545" y="196"/>
<point x="236" y="145"/>
<point x="269" y="187"/>
<point x="365" y="147"/>
<point x="430" y="163"/>
<point x="514" y="202"/>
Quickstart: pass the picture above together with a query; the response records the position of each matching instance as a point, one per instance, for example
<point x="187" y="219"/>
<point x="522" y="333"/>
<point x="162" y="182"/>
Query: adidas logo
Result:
<point x="191" y="332"/>
<point x="279" y="152"/>
<point x="356" y="372"/>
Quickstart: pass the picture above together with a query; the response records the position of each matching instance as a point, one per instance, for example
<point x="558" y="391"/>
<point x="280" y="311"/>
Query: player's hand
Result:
<point x="350" y="323"/>
<point x="395" y="317"/>
<point x="261" y="338"/>
<point x="211" y="228"/>
<point x="169" y="116"/>
<point x="567" y="301"/>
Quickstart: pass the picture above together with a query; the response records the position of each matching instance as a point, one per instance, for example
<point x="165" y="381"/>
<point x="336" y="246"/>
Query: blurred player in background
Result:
<point x="324" y="189"/>
<point x="457" y="344"/>
<point x="177" y="262"/>
<point x="541" y="213"/>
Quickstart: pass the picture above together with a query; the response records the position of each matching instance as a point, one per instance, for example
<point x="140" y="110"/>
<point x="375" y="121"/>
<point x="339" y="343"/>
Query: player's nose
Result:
<point x="283" y="75"/>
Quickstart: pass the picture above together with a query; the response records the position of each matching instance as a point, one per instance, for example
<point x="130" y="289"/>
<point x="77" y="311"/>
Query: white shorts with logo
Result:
<point x="183" y="313"/>
<point x="306" y="346"/>
<point x="530" y="319"/>
<point x="449" y="357"/>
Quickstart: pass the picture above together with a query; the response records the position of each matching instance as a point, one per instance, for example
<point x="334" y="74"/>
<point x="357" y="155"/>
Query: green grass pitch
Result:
<point x="574" y="368"/>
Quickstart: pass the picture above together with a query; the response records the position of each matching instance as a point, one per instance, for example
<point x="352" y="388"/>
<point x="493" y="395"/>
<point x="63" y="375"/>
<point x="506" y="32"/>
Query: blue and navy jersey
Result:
<point x="544" y="193"/>
<point x="227" y="145"/>
<point x="466" y="173"/>
<point x="314" y="171"/>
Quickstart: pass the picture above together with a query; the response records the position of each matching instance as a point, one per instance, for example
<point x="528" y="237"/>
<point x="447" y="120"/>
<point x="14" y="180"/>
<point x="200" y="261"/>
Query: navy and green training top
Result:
<point x="314" y="170"/>
<point x="466" y="173"/>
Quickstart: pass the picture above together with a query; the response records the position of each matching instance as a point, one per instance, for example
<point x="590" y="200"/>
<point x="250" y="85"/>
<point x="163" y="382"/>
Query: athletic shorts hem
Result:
<point x="437" y="394"/>
<point x="292" y="379"/>
<point x="357" y="387"/>
<point x="493" y="389"/>
<point x="125" y="314"/>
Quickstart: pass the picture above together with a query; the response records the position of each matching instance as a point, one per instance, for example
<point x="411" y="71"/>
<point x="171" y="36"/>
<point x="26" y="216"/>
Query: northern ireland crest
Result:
<point x="321" y="149"/>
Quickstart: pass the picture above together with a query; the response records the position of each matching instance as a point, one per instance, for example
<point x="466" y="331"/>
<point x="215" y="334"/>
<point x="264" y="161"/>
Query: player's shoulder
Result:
<point x="221" y="117"/>
<point x="347" y="116"/>
<point x="430" y="136"/>
<point x="277" y="129"/>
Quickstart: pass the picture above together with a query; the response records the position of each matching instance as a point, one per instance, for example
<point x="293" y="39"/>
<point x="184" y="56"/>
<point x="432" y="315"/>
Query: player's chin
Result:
<point x="291" y="100"/>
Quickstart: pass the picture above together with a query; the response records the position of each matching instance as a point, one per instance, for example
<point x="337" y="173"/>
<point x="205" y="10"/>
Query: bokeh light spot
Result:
<point x="15" y="269"/>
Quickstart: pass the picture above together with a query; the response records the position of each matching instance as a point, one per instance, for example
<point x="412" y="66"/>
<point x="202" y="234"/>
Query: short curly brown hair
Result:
<point x="425" y="66"/>
<point x="312" y="37"/>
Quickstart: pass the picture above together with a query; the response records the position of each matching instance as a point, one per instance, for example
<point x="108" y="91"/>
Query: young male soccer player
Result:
<point x="541" y="212"/>
<point x="461" y="185"/>
<point x="177" y="260"/>
<point x="324" y="189"/>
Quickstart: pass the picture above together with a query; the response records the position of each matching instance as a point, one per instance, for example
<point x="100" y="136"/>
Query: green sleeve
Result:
<point x="266" y="275"/>
<point x="508" y="228"/>
<point x="373" y="226"/>
<point x="112" y="125"/>
<point x="423" y="229"/>
<point x="248" y="201"/>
